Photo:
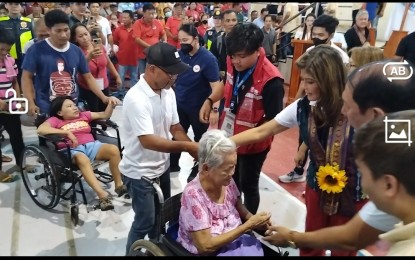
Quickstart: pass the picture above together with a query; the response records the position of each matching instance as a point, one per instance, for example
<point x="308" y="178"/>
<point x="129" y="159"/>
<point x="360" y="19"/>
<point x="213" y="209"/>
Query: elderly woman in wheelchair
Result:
<point x="213" y="220"/>
<point x="66" y="119"/>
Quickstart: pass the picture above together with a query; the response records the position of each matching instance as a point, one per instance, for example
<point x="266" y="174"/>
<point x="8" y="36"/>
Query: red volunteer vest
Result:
<point x="250" y="112"/>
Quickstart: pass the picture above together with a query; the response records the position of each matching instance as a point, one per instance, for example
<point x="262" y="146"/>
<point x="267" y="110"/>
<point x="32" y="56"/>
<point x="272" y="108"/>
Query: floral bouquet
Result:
<point x="331" y="182"/>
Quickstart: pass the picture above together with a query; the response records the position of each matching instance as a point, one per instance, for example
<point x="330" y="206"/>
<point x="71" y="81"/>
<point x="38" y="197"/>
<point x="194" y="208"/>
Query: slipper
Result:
<point x="4" y="177"/>
<point x="6" y="159"/>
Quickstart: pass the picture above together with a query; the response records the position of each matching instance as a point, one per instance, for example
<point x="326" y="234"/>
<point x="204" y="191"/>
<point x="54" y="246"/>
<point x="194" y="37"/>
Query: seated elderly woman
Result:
<point x="213" y="220"/>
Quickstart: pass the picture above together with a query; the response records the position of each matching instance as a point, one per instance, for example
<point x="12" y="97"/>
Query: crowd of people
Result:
<point x="209" y="66"/>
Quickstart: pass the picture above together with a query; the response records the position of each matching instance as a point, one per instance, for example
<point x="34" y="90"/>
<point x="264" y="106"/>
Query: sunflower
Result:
<point x="330" y="179"/>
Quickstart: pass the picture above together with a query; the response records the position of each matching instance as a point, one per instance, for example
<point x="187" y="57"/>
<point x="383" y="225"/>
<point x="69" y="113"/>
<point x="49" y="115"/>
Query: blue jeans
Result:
<point x="142" y="65"/>
<point x="144" y="204"/>
<point x="122" y="70"/>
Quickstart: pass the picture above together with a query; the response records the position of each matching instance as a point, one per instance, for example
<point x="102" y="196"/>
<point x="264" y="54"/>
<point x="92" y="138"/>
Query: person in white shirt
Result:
<point x="103" y="22"/>
<point x="323" y="30"/>
<point x="331" y="10"/>
<point x="305" y="32"/>
<point x="387" y="175"/>
<point x="260" y="20"/>
<point x="149" y="116"/>
<point x="287" y="29"/>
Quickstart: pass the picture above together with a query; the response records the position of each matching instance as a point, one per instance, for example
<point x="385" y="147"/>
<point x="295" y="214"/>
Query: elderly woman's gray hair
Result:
<point x="213" y="146"/>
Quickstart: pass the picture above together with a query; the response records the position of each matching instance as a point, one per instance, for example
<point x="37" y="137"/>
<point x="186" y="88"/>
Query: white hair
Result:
<point x="213" y="145"/>
<point x="362" y="12"/>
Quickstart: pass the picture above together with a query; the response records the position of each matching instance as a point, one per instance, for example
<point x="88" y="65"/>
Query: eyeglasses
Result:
<point x="172" y="76"/>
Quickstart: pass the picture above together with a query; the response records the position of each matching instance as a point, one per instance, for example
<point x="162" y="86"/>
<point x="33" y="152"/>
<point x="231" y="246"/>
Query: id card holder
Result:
<point x="228" y="123"/>
<point x="100" y="83"/>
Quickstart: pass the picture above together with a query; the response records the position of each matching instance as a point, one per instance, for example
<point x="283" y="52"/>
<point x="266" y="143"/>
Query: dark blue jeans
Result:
<point x="144" y="202"/>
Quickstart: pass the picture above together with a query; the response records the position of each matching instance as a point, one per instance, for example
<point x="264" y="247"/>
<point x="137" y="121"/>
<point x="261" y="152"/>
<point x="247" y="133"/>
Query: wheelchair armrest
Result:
<point x="175" y="247"/>
<point x="107" y="123"/>
<point x="53" y="137"/>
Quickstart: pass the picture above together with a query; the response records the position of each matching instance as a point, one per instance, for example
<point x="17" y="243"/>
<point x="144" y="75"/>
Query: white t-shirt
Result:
<point x="106" y="30"/>
<point x="376" y="218"/>
<point x="342" y="53"/>
<point x="144" y="112"/>
<point x="339" y="37"/>
<point x="288" y="116"/>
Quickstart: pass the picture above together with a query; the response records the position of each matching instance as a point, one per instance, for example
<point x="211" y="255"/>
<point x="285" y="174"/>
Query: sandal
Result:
<point x="121" y="190"/>
<point x="5" y="177"/>
<point x="6" y="159"/>
<point x="105" y="204"/>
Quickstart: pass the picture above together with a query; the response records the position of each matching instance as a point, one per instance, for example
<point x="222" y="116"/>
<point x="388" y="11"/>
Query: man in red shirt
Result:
<point x="173" y="25"/>
<point x="127" y="51"/>
<point x="147" y="31"/>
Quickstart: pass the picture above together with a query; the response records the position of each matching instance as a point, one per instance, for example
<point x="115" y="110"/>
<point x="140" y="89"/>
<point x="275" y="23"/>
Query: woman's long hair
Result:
<point x="325" y="66"/>
<point x="305" y="28"/>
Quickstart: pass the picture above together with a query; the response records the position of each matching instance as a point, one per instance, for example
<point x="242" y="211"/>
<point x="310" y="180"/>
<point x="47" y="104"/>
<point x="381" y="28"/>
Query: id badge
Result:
<point x="228" y="123"/>
<point x="100" y="83"/>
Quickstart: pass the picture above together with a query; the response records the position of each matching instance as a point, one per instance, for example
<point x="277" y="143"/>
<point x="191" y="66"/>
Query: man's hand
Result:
<point x="3" y="105"/>
<point x="33" y="109"/>
<point x="192" y="149"/>
<point x="118" y="81"/>
<point x="213" y="118"/>
<point x="111" y="100"/>
<point x="205" y="110"/>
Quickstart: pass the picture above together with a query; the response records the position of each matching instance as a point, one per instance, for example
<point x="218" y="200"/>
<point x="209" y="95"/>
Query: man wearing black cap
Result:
<point x="215" y="31"/>
<point x="149" y="115"/>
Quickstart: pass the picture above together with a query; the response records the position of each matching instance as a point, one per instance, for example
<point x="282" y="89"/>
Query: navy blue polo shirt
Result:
<point x="192" y="87"/>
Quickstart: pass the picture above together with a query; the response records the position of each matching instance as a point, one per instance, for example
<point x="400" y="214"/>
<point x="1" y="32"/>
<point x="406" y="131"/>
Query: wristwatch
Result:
<point x="215" y="109"/>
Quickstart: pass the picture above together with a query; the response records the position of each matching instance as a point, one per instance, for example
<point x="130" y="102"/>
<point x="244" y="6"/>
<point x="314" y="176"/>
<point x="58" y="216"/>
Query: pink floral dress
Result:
<point x="198" y="212"/>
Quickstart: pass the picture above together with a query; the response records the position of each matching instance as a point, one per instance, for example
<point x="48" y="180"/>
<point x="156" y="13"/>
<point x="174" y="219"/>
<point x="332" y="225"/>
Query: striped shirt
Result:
<point x="6" y="83"/>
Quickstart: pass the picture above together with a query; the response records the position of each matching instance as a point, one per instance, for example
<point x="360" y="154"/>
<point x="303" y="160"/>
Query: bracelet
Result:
<point x="211" y="101"/>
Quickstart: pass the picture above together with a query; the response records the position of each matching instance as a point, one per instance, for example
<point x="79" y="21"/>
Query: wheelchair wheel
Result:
<point x="42" y="184"/>
<point x="144" y="247"/>
<point x="75" y="214"/>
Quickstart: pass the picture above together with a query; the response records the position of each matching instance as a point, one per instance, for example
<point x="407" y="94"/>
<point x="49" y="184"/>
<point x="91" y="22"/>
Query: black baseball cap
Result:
<point x="167" y="57"/>
<point x="217" y="14"/>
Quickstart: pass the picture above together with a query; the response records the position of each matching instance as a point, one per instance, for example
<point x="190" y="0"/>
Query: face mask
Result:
<point x="168" y="14"/>
<point x="318" y="41"/>
<point x="186" y="48"/>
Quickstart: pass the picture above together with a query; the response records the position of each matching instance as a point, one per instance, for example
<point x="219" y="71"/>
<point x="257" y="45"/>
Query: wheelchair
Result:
<point x="47" y="171"/>
<point x="167" y="227"/>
